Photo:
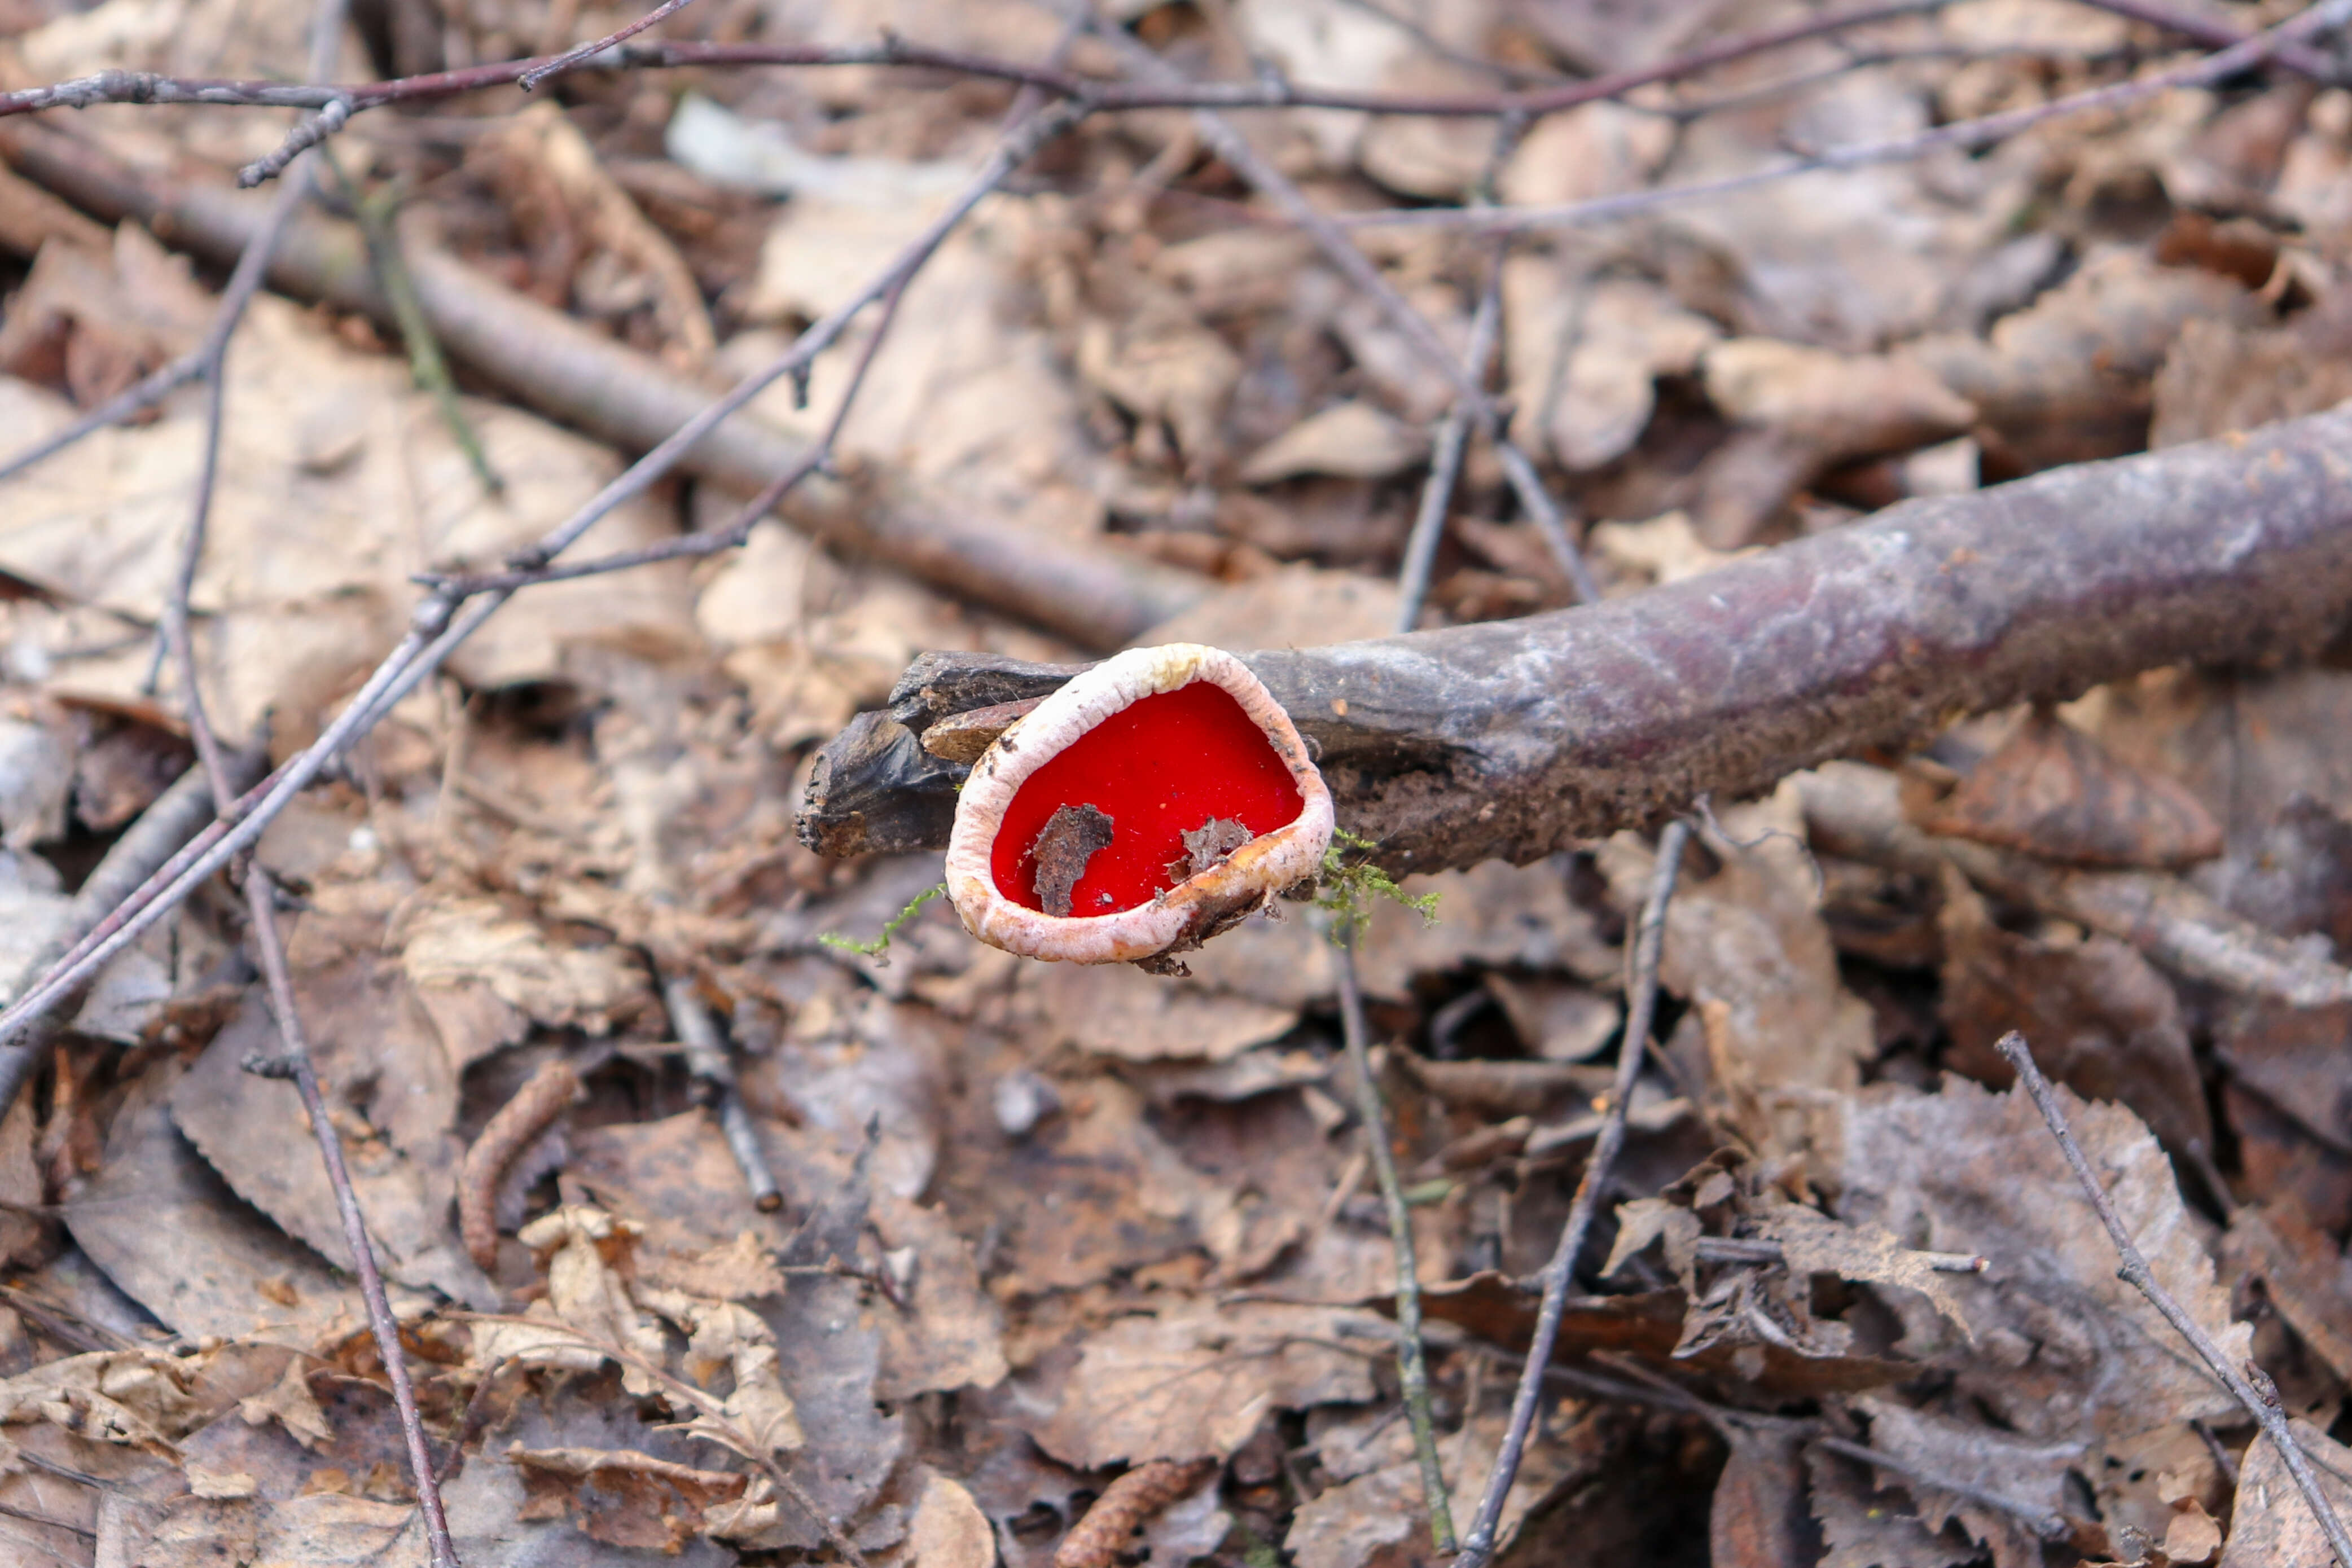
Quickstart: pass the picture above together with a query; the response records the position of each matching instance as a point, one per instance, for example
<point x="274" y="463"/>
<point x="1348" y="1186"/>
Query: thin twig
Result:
<point x="530" y="80"/>
<point x="434" y="633"/>
<point x="1643" y="948"/>
<point x="1238" y="154"/>
<point x="2217" y="34"/>
<point x="259" y="900"/>
<point x="1961" y="135"/>
<point x="1451" y="444"/>
<point x="149" y="87"/>
<point x="1412" y="1365"/>
<point x="2262" y="1407"/>
<point x="708" y="1060"/>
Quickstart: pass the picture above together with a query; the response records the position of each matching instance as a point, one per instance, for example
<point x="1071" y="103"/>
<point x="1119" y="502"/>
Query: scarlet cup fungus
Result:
<point x="1149" y="803"/>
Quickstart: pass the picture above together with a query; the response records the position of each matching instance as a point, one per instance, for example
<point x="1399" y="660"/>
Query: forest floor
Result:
<point x="711" y="1239"/>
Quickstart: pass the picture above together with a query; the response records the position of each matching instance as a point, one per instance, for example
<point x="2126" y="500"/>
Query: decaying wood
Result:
<point x="1512" y="739"/>
<point x="1098" y="596"/>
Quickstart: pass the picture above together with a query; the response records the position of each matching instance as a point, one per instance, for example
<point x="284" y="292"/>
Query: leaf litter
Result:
<point x="1045" y="1227"/>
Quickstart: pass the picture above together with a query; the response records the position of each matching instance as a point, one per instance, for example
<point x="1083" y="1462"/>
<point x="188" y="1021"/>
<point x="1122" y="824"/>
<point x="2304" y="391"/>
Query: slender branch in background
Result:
<point x="713" y="1068"/>
<point x="1961" y="135"/>
<point x="147" y="845"/>
<point x="530" y="80"/>
<point x="1360" y="269"/>
<point x="147" y="88"/>
<point x="212" y="365"/>
<point x="709" y="541"/>
<point x="1412" y="1362"/>
<point x="259" y="900"/>
<point x="1449" y="447"/>
<point x="2262" y="1407"/>
<point x="145" y="392"/>
<point x="377" y="215"/>
<point x="1644" y="947"/>
<point x="2300" y="58"/>
<point x="434" y="635"/>
<point x="260" y="895"/>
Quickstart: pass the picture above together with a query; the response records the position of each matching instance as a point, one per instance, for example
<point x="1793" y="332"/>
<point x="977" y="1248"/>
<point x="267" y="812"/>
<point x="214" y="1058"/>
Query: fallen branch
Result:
<point x="1512" y="739"/>
<point x="1099" y="596"/>
<point x="2262" y="1407"/>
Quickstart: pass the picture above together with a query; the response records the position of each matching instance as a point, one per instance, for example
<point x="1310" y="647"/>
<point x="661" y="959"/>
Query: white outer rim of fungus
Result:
<point x="1267" y="864"/>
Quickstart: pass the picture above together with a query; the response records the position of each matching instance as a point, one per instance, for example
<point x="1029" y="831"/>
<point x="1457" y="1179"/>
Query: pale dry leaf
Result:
<point x="1193" y="1381"/>
<point x="949" y="1333"/>
<point x="587" y="1307"/>
<point x="1584" y="355"/>
<point x="1350" y="440"/>
<point x="726" y="1335"/>
<point x="1813" y="1243"/>
<point x="465" y="942"/>
<point x="291" y="1404"/>
<point x="2066" y="1351"/>
<point x="620" y="1496"/>
<point x="1868" y="1529"/>
<point x="1113" y="1009"/>
<point x="1298" y="606"/>
<point x="2031" y="1474"/>
<point x="302" y="590"/>
<point x="2270" y="1524"/>
<point x="949" y="1528"/>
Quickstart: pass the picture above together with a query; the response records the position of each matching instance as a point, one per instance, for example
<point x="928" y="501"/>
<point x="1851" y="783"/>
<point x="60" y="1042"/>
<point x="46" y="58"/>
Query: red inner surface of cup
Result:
<point x="1158" y="768"/>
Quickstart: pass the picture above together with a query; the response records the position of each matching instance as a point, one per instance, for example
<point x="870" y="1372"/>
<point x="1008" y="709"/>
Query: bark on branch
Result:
<point x="1512" y="739"/>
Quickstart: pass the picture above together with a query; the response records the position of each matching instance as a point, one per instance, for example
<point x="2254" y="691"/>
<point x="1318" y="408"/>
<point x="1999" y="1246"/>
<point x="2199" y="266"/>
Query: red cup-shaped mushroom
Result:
<point x="1153" y="802"/>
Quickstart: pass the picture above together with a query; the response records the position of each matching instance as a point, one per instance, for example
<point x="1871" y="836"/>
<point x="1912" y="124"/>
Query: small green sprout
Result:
<point x="1349" y="887"/>
<point x="878" y="948"/>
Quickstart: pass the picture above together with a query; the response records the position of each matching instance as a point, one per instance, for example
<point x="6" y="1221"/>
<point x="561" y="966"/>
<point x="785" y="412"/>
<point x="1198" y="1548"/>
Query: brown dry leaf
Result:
<point x="1376" y="1515"/>
<point x="337" y="482"/>
<point x="229" y="1113"/>
<point x="549" y="176"/>
<point x="2068" y="379"/>
<point x="2034" y="1475"/>
<point x="1298" y="606"/>
<point x="21" y="1230"/>
<point x="1813" y="1243"/>
<point x="480" y="948"/>
<point x="2220" y="378"/>
<point x="950" y="1332"/>
<point x="2065" y="1351"/>
<point x="291" y="1404"/>
<point x="2053" y="791"/>
<point x="2302" y="1272"/>
<point x="948" y="1529"/>
<point x="2270" y="1524"/>
<point x="1350" y="440"/>
<point x="620" y="1496"/>
<point x="1584" y="355"/>
<point x="165" y="1227"/>
<point x="1193" y="1380"/>
<point x="2102" y="1020"/>
<point x="588" y="1310"/>
<point x="1748" y="947"/>
<point x="1113" y="1009"/>
<point x="1759" y="1519"/>
<point x="1865" y="1527"/>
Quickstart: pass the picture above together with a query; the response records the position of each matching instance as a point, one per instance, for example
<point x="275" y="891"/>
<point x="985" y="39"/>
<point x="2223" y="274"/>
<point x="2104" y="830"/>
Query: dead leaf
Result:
<point x="2052" y="791"/>
<point x="2270" y="1524"/>
<point x="1190" y="1382"/>
<point x="2067" y="1353"/>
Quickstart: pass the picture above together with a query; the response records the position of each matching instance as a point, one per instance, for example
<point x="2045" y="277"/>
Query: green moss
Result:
<point x="881" y="945"/>
<point x="1350" y="886"/>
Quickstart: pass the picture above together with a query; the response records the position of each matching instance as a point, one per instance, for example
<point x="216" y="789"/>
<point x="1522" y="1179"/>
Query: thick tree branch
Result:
<point x="1511" y="739"/>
